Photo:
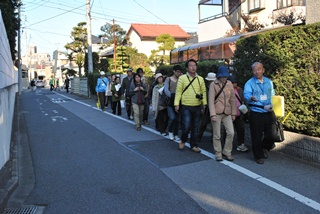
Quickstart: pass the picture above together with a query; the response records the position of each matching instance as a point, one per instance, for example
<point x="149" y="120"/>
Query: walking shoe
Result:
<point x="138" y="128"/>
<point x="176" y="138"/>
<point x="164" y="134"/>
<point x="145" y="122"/>
<point x="219" y="157"/>
<point x="181" y="145"/>
<point x="259" y="161"/>
<point x="171" y="136"/>
<point x="228" y="157"/>
<point x="242" y="148"/>
<point x="196" y="149"/>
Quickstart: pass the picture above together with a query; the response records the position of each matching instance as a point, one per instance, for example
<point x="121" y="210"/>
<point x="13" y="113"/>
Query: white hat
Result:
<point x="211" y="76"/>
<point x="158" y="75"/>
<point x="102" y="73"/>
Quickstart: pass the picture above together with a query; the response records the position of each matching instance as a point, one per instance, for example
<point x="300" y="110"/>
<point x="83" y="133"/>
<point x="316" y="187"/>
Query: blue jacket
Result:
<point x="261" y="91"/>
<point x="102" y="85"/>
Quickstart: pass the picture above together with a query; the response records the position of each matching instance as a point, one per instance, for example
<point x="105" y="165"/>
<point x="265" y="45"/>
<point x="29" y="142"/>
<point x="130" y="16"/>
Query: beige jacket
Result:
<point x="225" y="103"/>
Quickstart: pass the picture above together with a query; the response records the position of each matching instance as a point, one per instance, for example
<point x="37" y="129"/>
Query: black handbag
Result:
<point x="279" y="135"/>
<point x="164" y="100"/>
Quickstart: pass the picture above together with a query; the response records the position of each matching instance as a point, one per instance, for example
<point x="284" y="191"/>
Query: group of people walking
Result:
<point x="185" y="103"/>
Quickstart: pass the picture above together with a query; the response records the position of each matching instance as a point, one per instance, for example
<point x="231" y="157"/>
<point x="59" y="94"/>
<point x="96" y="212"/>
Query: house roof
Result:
<point x="154" y="30"/>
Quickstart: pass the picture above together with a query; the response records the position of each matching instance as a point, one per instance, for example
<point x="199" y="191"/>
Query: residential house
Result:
<point x="238" y="14"/>
<point x="143" y="36"/>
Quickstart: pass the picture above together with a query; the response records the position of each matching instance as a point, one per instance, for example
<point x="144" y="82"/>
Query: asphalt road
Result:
<point x="88" y="161"/>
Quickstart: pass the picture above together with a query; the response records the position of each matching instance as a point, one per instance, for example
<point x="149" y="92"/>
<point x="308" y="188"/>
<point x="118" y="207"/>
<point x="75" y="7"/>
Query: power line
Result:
<point x="150" y="12"/>
<point x="56" y="15"/>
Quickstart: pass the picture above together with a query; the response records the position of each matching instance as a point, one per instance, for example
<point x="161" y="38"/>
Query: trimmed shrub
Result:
<point x="291" y="58"/>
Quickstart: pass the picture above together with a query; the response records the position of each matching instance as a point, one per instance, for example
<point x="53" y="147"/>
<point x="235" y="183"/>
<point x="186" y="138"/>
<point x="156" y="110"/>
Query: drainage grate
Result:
<point x="26" y="210"/>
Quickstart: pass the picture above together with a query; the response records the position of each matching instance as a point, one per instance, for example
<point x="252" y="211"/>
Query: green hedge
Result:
<point x="291" y="58"/>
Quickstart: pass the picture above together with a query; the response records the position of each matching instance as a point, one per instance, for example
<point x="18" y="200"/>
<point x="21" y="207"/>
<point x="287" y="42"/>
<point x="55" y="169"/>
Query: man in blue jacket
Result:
<point x="257" y="92"/>
<point x="101" y="87"/>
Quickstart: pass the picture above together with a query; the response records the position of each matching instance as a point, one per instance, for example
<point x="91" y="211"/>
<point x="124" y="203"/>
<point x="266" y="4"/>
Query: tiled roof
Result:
<point x="154" y="30"/>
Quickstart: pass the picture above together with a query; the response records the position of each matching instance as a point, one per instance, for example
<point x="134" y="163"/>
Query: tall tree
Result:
<point x="111" y="31"/>
<point x="79" y="44"/>
<point x="159" y="57"/>
<point x="11" y="22"/>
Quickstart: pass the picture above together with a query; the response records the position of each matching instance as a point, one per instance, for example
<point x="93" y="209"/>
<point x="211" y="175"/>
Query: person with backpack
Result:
<point x="101" y="87"/>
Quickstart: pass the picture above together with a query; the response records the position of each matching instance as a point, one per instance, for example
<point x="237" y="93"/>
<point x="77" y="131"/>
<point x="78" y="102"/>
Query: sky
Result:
<point x="47" y="24"/>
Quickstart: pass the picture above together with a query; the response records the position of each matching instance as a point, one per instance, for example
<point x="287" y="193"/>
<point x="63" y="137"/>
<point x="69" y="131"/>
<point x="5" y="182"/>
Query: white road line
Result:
<point x="305" y="200"/>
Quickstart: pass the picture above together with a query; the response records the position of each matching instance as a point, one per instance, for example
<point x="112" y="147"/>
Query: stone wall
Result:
<point x="300" y="146"/>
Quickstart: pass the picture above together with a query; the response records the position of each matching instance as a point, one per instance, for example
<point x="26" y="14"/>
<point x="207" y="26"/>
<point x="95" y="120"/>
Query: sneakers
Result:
<point x="196" y="149"/>
<point x="164" y="134"/>
<point x="176" y="138"/>
<point x="181" y="145"/>
<point x="171" y="136"/>
<point x="242" y="148"/>
<point x="138" y="128"/>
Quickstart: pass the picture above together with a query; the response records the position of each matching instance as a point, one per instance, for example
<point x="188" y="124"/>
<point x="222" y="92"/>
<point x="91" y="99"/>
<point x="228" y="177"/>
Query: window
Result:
<point x="256" y="4"/>
<point x="289" y="3"/>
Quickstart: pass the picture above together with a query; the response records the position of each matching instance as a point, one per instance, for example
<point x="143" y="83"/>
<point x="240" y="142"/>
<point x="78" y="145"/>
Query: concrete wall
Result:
<point x="8" y="90"/>
<point x="213" y="29"/>
<point x="79" y="86"/>
<point x="300" y="146"/>
<point x="312" y="13"/>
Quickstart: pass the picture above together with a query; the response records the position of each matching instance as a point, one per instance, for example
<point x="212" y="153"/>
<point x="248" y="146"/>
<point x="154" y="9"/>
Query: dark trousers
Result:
<point x="190" y="121"/>
<point x="205" y="120"/>
<point x="51" y="87"/>
<point x="109" y="101"/>
<point x="116" y="105"/>
<point x="162" y="120"/>
<point x="261" y="128"/>
<point x="128" y="106"/>
<point x="146" y="109"/>
<point x="239" y="127"/>
<point x="102" y="99"/>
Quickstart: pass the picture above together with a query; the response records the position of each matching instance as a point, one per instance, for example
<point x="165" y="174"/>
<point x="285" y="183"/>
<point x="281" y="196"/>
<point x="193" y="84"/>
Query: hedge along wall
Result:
<point x="291" y="58"/>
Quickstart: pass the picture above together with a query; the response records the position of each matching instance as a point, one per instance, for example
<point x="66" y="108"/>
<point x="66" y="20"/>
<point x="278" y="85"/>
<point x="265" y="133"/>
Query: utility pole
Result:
<point x="114" y="46"/>
<point x="19" y="51"/>
<point x="89" y="40"/>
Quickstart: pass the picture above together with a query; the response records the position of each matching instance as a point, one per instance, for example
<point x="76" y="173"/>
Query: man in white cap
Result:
<point x="101" y="87"/>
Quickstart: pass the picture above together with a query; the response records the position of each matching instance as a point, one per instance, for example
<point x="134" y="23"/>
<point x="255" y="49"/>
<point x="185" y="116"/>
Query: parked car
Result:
<point x="39" y="83"/>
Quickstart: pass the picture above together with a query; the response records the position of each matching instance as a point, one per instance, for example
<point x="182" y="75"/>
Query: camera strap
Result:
<point x="192" y="85"/>
<point x="190" y="82"/>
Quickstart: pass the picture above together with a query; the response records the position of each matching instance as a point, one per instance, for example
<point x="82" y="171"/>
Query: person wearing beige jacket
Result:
<point x="222" y="106"/>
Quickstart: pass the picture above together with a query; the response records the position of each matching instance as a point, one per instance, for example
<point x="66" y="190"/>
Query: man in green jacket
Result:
<point x="191" y="94"/>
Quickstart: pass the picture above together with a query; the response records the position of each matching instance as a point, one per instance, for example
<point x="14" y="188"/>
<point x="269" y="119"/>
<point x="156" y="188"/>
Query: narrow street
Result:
<point x="88" y="161"/>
